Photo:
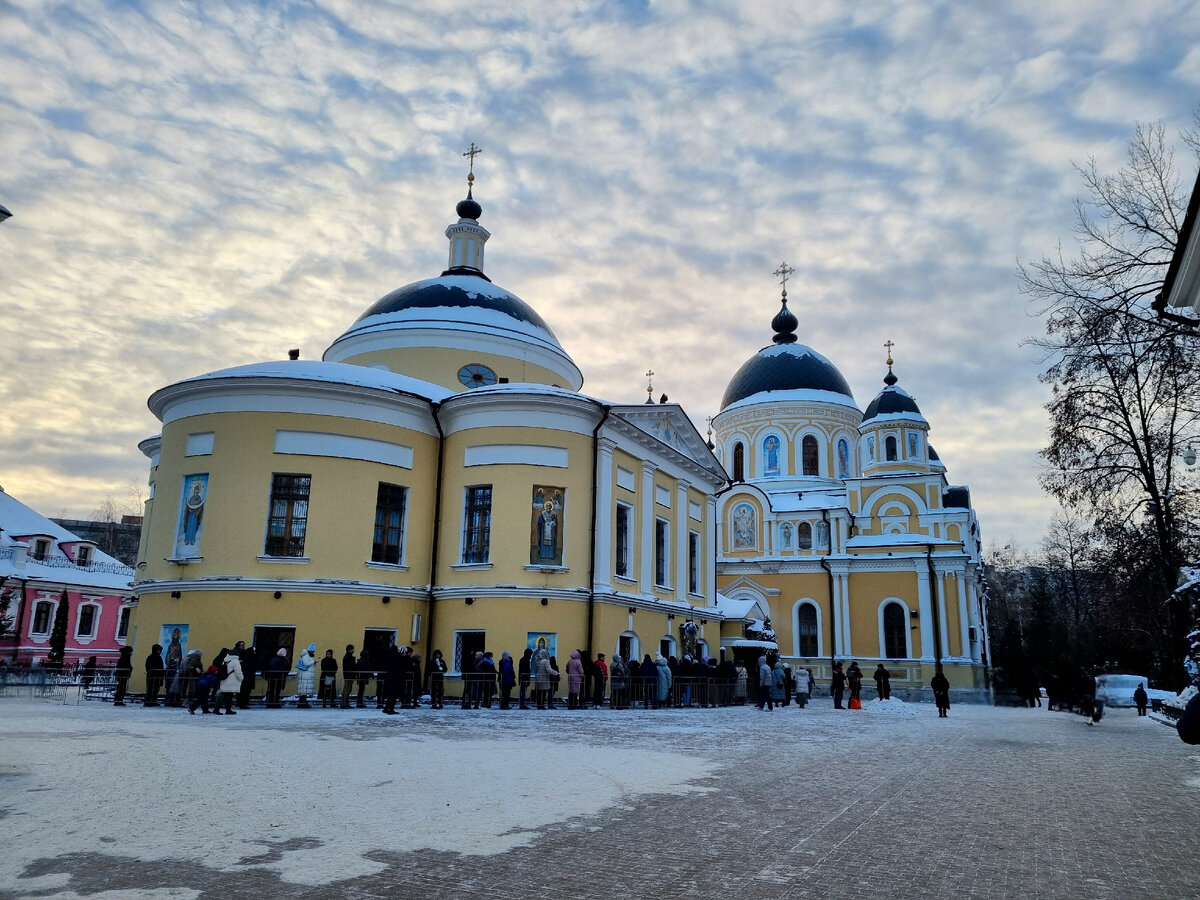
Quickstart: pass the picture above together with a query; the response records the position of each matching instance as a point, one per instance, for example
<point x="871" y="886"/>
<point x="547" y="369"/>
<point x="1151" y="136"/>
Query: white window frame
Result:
<point x="695" y="573"/>
<point x="85" y="603"/>
<point x="628" y="573"/>
<point x="662" y="526"/>
<point x="907" y="628"/>
<point x="49" y="618"/>
<point x="807" y="601"/>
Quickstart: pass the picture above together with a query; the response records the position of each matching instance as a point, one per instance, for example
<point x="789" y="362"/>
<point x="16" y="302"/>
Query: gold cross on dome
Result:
<point x="650" y="384"/>
<point x="889" y="345"/>
<point x="783" y="272"/>
<point x="471" y="154"/>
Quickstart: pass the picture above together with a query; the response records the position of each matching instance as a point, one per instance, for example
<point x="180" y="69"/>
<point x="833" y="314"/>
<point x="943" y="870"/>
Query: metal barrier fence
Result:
<point x="39" y="684"/>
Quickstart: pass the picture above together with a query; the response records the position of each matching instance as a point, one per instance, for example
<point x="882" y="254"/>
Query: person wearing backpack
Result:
<point x="230" y="673"/>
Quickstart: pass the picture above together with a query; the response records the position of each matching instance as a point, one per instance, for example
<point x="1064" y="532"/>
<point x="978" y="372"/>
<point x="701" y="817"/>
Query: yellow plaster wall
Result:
<point x="867" y="591"/>
<point x="341" y="512"/>
<point x="440" y="365"/>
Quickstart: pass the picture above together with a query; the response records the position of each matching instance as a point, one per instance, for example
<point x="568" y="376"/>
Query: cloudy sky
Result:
<point x="201" y="185"/>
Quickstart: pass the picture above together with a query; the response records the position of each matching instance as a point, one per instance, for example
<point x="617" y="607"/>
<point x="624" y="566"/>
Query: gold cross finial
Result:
<point x="889" y="345"/>
<point x="709" y="421"/>
<point x="650" y="384"/>
<point x="783" y="272"/>
<point x="471" y="154"/>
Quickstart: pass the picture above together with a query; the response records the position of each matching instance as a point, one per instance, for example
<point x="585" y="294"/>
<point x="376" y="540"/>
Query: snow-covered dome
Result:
<point x="787" y="371"/>
<point x="892" y="403"/>
<point x="439" y="328"/>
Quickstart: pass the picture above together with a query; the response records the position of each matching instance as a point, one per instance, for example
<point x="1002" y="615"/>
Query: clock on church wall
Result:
<point x="476" y="375"/>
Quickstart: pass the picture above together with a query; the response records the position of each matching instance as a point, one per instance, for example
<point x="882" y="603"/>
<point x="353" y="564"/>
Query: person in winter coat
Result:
<point x="508" y="679"/>
<point x="155" y="671"/>
<point x="555" y="681"/>
<point x="574" y="679"/>
<point x="741" y="684"/>
<point x="776" y="682"/>
<point x="349" y="674"/>
<point x="122" y="671"/>
<point x="485" y="679"/>
<point x="619" y="683"/>
<point x="855" y="678"/>
<point x="232" y="682"/>
<point x="837" y="686"/>
<point x="649" y="685"/>
<point x="599" y="681"/>
<point x="789" y="685"/>
<point x="395" y="668"/>
<point x="664" y="680"/>
<point x="277" y="673"/>
<point x="248" y="657"/>
<point x="543" y="677"/>
<point x="88" y="674"/>
<point x="437" y="680"/>
<point x="941" y="692"/>
<point x="524" y="674"/>
<point x="186" y="677"/>
<point x="202" y="690"/>
<point x="1140" y="699"/>
<point x="765" y="678"/>
<point x="306" y="675"/>
<point x="328" y="688"/>
<point x="883" y="682"/>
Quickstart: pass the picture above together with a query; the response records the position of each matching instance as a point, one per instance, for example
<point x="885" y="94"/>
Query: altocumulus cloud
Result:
<point x="205" y="185"/>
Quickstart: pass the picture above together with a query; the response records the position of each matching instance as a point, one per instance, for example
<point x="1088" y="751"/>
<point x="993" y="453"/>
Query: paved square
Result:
<point x="733" y="803"/>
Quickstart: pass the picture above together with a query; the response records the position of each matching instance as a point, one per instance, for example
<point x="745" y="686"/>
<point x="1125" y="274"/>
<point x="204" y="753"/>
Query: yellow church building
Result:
<point x="437" y="479"/>
<point x="840" y="527"/>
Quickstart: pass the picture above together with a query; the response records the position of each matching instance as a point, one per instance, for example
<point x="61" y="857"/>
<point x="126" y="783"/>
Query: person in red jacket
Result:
<point x="599" y="678"/>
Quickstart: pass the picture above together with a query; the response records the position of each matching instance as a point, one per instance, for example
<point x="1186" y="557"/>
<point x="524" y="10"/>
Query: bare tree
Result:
<point x="1125" y="389"/>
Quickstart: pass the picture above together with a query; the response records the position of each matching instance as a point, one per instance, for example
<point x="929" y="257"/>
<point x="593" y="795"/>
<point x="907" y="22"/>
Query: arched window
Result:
<point x="890" y="448"/>
<point x="808" y="451"/>
<point x="806" y="629"/>
<point x="895" y="632"/>
<point x="739" y="462"/>
<point x="804" y="536"/>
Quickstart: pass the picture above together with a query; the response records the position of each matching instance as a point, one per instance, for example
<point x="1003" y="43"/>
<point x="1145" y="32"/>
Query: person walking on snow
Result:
<point x="883" y="682"/>
<point x="941" y="692"/>
<point x="765" y="678"/>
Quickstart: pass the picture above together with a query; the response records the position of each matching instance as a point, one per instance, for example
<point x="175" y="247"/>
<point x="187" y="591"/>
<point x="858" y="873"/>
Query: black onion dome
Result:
<point x="469" y="208"/>
<point x="933" y="454"/>
<point x="462" y="291"/>
<point x="784" y="325"/>
<point x="892" y="401"/>
<point x="786" y="367"/>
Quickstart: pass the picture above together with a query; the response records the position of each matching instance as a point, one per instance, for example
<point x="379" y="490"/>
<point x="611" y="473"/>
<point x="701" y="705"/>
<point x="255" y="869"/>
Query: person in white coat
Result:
<point x="305" y="678"/>
<point x="231" y="684"/>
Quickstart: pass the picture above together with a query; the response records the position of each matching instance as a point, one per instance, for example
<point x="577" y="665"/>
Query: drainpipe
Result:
<point x="832" y="602"/>
<point x="437" y="530"/>
<point x="934" y="605"/>
<point x="591" y="608"/>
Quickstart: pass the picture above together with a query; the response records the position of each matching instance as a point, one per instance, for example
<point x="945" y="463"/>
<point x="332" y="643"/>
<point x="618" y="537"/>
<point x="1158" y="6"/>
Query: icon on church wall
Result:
<point x="546" y="542"/>
<point x="871" y="447"/>
<point x="823" y="535"/>
<point x="786" y="534"/>
<point x="191" y="515"/>
<point x="543" y="640"/>
<point x="771" y="456"/>
<point x="843" y="448"/>
<point x="743" y="527"/>
<point x="912" y="446"/>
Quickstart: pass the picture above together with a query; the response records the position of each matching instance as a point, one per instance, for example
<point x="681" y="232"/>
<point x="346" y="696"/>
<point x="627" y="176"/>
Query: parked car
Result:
<point x="1117" y="690"/>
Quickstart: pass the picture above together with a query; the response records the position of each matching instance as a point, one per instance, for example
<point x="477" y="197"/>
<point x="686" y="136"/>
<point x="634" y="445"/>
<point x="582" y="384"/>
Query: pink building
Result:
<point x="38" y="560"/>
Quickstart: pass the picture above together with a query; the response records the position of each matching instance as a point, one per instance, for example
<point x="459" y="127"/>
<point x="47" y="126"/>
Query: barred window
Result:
<point x="287" y="517"/>
<point x="477" y="524"/>
<point x="388" y="543"/>
<point x="622" y="568"/>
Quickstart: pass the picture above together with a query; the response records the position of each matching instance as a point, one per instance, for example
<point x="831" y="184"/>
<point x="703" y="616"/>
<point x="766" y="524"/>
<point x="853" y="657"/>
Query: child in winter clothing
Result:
<point x="203" y="690"/>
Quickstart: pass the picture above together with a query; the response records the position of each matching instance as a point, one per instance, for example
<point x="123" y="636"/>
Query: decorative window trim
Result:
<point x="386" y="567"/>
<point x="547" y="569"/>
<point x="662" y="527"/>
<point x="908" y="644"/>
<point x="467" y="567"/>
<point x="90" y="637"/>
<point x="807" y="601"/>
<point x="285" y="560"/>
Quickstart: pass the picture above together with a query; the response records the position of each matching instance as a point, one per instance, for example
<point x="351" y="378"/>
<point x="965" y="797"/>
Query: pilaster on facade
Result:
<point x="964" y="633"/>
<point x="604" y="513"/>
<point x="682" y="540"/>
<point x="711" y="526"/>
<point x="646" y="570"/>
<point x="925" y="610"/>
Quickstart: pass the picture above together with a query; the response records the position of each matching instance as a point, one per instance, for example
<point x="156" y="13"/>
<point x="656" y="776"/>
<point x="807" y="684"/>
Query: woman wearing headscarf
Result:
<point x="618" y="677"/>
<point x="765" y="677"/>
<point x="544" y="674"/>
<point x="508" y="679"/>
<point x="231" y="683"/>
<point x="649" y="673"/>
<point x="664" y="680"/>
<point x="306" y="677"/>
<point x="574" y="679"/>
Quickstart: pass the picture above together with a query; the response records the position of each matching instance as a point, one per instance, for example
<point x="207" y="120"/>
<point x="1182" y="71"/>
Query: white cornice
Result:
<point x="667" y="458"/>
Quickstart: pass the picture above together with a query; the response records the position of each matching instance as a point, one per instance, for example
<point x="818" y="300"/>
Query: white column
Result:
<point x="604" y="514"/>
<point x="712" y="528"/>
<point x="681" y="538"/>
<point x="843" y="581"/>
<point x="835" y="610"/>
<point x="961" y="580"/>
<point x="943" y="625"/>
<point x="646" y="573"/>
<point x="973" y="619"/>
<point x="925" y="611"/>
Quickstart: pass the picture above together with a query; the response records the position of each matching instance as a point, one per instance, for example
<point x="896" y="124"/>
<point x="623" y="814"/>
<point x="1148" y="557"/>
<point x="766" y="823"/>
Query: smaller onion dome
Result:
<point x="892" y="402"/>
<point x="785" y="324"/>
<point x="469" y="208"/>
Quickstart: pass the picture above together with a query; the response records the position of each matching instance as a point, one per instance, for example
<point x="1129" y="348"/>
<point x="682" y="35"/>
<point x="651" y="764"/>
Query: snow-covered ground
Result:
<point x="276" y="789"/>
